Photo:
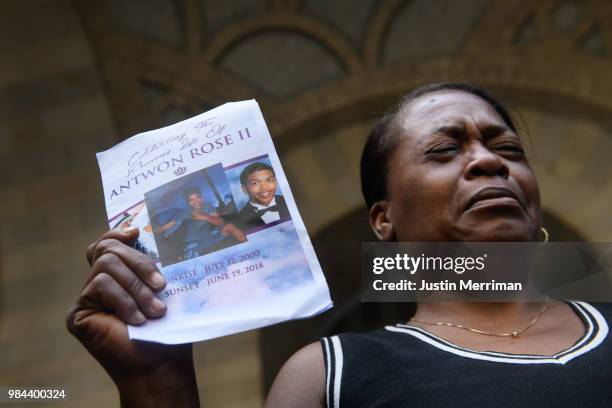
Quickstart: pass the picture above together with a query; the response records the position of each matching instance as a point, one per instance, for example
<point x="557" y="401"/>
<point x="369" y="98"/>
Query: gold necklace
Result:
<point x="513" y="334"/>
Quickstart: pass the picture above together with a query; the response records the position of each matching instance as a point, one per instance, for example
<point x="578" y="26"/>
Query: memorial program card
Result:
<point x="215" y="212"/>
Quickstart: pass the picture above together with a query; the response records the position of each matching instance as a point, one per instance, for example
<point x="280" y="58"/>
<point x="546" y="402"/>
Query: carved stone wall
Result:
<point x="78" y="76"/>
<point x="322" y="70"/>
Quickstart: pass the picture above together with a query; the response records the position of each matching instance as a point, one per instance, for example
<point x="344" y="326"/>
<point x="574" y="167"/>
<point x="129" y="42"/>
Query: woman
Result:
<point x="447" y="165"/>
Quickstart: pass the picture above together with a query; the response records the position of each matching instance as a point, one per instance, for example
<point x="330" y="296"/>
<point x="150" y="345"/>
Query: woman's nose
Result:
<point x="484" y="162"/>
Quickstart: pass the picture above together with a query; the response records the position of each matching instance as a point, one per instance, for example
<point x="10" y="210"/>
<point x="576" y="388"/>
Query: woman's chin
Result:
<point x="499" y="231"/>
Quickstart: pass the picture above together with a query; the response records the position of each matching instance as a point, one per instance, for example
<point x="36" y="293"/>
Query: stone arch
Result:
<point x="309" y="27"/>
<point x="294" y="54"/>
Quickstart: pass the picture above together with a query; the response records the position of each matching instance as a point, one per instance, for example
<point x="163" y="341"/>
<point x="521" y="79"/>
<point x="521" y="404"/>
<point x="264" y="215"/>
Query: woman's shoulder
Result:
<point x="313" y="375"/>
<point x="368" y="347"/>
<point x="301" y="380"/>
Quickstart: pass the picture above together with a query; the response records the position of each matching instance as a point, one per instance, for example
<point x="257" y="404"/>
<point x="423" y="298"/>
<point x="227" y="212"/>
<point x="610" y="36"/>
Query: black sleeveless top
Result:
<point x="405" y="366"/>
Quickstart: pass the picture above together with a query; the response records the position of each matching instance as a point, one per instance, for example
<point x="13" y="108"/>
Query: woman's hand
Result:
<point x="214" y="220"/>
<point x="231" y="229"/>
<point x="121" y="289"/>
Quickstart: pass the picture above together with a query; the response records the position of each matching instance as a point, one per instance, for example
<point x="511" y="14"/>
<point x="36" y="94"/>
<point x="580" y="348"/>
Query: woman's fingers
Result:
<point x="112" y="265"/>
<point x="115" y="265"/>
<point x="104" y="293"/>
<point x="140" y="264"/>
<point x="126" y="236"/>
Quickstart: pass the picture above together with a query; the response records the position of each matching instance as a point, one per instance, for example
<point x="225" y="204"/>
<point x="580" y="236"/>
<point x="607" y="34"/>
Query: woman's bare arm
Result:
<point x="301" y="381"/>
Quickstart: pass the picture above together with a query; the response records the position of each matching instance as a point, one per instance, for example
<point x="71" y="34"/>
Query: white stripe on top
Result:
<point x="587" y="342"/>
<point x="337" y="346"/>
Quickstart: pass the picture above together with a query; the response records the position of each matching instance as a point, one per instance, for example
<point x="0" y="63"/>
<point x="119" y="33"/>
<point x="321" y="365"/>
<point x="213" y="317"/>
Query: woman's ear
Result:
<point x="380" y="223"/>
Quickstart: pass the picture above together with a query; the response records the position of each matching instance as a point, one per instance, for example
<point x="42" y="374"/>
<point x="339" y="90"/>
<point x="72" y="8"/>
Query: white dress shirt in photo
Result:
<point x="268" y="216"/>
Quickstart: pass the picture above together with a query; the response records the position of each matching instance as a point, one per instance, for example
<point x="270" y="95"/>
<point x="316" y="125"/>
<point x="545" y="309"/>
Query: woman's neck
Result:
<point x="494" y="316"/>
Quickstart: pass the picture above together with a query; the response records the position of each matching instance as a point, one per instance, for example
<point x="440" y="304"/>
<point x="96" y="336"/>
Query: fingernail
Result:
<point x="158" y="304"/>
<point x="139" y="318"/>
<point x="129" y="229"/>
<point x="158" y="280"/>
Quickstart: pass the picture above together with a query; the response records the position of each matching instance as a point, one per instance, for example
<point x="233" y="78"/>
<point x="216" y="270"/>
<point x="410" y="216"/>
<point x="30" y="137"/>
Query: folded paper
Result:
<point x="215" y="212"/>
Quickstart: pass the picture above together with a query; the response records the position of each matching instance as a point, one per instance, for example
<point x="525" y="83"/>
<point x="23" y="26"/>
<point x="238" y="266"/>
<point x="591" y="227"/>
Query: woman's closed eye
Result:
<point x="449" y="148"/>
<point x="511" y="148"/>
<point x="445" y="148"/>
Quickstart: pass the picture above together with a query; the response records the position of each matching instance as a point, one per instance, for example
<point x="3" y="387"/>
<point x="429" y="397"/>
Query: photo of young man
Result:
<point x="265" y="206"/>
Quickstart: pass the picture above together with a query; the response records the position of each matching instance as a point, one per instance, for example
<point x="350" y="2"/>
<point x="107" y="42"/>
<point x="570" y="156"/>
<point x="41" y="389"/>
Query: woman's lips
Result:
<point x="490" y="197"/>
<point x="495" y="202"/>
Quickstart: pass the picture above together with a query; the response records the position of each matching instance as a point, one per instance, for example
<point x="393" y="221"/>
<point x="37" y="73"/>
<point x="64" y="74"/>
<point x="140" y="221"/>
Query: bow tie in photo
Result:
<point x="264" y="210"/>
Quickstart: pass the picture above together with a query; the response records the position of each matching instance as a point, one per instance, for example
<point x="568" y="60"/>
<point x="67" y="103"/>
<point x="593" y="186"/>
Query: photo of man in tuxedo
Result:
<point x="264" y="207"/>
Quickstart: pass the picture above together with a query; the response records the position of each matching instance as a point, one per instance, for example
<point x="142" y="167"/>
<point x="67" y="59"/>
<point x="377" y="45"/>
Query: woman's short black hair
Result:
<point x="381" y="141"/>
<point x="189" y="191"/>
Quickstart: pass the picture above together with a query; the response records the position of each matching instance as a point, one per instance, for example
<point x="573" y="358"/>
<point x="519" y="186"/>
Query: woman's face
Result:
<point x="459" y="173"/>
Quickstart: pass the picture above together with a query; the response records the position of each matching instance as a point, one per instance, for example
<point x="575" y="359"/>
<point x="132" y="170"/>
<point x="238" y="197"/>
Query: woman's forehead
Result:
<point x="447" y="107"/>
